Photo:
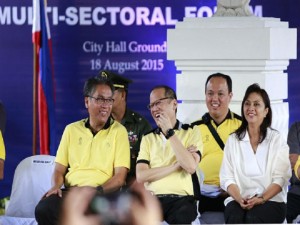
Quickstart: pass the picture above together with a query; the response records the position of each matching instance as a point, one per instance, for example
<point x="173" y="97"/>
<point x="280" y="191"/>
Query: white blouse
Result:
<point x="253" y="173"/>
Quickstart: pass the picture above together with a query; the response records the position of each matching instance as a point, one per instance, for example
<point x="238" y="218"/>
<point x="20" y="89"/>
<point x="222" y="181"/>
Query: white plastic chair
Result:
<point x="32" y="179"/>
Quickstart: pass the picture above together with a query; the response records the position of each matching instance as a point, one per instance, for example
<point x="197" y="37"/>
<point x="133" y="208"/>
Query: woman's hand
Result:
<point x="243" y="203"/>
<point x="251" y="202"/>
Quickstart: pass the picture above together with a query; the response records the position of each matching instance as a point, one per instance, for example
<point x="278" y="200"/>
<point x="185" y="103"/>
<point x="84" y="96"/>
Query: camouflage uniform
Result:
<point x="136" y="126"/>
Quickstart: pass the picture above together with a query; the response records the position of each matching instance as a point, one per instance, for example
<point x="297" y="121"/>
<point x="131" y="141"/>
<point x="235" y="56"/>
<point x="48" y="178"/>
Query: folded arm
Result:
<point x="146" y="174"/>
<point x="187" y="160"/>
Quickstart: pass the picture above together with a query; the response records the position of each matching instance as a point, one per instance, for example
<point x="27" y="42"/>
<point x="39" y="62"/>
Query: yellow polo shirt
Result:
<point x="297" y="165"/>
<point x="2" y="147"/>
<point x="212" y="156"/>
<point x="156" y="151"/>
<point x="91" y="159"/>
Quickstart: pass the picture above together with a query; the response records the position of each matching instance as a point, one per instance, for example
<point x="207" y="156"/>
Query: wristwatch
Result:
<point x="169" y="133"/>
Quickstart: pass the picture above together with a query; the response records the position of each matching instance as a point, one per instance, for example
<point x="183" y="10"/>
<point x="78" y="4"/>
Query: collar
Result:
<point x="229" y="116"/>
<point x="109" y="122"/>
<point x="247" y="137"/>
<point x="177" y="126"/>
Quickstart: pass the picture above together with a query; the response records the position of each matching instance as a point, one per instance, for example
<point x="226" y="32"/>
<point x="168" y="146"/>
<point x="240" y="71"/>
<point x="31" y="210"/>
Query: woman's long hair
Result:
<point x="241" y="131"/>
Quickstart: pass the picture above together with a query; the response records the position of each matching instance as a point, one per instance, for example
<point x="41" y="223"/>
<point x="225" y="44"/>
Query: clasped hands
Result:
<point x="251" y="201"/>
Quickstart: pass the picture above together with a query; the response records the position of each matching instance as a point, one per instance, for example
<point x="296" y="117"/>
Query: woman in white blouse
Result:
<point x="256" y="169"/>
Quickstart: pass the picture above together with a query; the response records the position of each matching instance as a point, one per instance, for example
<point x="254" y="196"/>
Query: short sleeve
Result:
<point x="196" y="139"/>
<point x="144" y="150"/>
<point x="2" y="147"/>
<point x="62" y="152"/>
<point x="122" y="157"/>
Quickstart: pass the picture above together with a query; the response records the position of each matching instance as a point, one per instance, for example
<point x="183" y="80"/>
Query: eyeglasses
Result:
<point x="157" y="103"/>
<point x="102" y="101"/>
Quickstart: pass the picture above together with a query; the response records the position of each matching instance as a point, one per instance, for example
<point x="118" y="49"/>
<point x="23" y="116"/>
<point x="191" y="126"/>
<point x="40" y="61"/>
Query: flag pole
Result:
<point x="43" y="102"/>
<point x="34" y="102"/>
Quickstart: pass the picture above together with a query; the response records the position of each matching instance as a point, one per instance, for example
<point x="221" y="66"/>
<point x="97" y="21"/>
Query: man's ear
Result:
<point x="123" y="94"/>
<point x="86" y="101"/>
<point x="175" y="104"/>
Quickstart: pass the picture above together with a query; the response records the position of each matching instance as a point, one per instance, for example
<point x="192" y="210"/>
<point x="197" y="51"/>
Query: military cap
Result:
<point x="117" y="80"/>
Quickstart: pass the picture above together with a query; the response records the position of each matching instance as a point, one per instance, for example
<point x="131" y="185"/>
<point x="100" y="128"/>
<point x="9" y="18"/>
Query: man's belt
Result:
<point x="171" y="196"/>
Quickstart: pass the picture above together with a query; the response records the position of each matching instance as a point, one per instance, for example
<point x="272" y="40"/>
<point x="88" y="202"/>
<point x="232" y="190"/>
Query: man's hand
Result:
<point x="164" y="123"/>
<point x="193" y="149"/>
<point x="53" y="191"/>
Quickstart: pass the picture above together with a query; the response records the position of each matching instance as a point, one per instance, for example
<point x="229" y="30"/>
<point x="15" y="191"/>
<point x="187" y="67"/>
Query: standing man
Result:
<point x="215" y="127"/>
<point x="168" y="159"/>
<point x="135" y="124"/>
<point x="93" y="152"/>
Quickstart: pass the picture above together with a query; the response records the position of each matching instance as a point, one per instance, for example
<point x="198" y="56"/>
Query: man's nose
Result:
<point x="215" y="97"/>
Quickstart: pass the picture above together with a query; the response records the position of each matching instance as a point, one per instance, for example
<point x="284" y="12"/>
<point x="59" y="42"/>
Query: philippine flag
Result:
<point x="45" y="79"/>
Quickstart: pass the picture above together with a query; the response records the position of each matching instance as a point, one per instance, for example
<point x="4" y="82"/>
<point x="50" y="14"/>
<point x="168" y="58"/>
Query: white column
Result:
<point x="249" y="49"/>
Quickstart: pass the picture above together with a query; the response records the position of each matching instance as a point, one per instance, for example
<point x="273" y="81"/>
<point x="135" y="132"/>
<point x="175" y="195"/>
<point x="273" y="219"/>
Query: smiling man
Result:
<point x="215" y="127"/>
<point x="168" y="159"/>
<point x="93" y="152"/>
<point x="2" y="156"/>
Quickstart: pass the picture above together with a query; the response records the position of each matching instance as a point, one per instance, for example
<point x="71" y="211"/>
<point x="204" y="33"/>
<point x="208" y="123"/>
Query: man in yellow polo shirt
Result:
<point x="215" y="127"/>
<point x="297" y="168"/>
<point x="93" y="152"/>
<point x="2" y="156"/>
<point x="2" y="147"/>
<point x="168" y="159"/>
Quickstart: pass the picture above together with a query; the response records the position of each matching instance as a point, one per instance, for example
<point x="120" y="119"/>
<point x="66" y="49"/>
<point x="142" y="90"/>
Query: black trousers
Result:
<point x="212" y="204"/>
<point x="293" y="207"/>
<point x="178" y="209"/>
<point x="48" y="209"/>
<point x="269" y="212"/>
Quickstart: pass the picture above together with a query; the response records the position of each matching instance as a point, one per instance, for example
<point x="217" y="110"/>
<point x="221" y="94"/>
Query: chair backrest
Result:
<point x="32" y="179"/>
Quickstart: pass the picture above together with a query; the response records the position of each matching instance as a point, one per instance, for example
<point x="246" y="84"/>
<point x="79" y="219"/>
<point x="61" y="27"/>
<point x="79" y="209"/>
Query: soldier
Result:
<point x="135" y="124"/>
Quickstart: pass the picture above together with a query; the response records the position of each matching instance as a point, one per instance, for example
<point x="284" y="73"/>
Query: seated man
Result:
<point x="293" y="198"/>
<point x="2" y="147"/>
<point x="93" y="152"/>
<point x="215" y="126"/>
<point x="297" y="168"/>
<point x="168" y="159"/>
<point x="2" y="156"/>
